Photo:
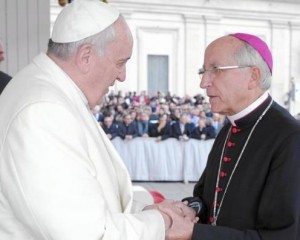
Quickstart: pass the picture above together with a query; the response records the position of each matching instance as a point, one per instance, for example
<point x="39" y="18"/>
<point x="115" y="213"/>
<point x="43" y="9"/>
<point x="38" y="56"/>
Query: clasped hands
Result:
<point x="178" y="217"/>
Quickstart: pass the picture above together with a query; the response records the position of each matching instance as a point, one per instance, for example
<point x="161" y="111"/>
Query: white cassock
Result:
<point x="60" y="177"/>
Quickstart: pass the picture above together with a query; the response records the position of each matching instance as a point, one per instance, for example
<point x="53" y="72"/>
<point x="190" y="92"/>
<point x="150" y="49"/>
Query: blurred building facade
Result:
<point x="24" y="31"/>
<point x="171" y="35"/>
<point x="170" y="38"/>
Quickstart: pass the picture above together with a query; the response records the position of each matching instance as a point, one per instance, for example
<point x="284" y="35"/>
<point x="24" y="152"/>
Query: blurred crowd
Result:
<point x="160" y="116"/>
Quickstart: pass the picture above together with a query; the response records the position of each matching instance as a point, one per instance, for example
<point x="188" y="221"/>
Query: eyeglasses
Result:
<point x="218" y="69"/>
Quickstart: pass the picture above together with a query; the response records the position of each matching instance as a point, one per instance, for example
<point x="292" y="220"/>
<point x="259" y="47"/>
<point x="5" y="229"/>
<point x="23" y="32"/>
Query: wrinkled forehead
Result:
<point x="123" y="33"/>
<point x="222" y="50"/>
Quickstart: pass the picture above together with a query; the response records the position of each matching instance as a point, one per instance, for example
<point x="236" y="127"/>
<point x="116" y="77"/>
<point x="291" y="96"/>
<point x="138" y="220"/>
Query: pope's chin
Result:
<point x="104" y="92"/>
<point x="101" y="100"/>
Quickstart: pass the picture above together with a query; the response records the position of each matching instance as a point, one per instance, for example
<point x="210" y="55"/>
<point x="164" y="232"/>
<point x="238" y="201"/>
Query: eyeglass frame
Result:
<point x="202" y="71"/>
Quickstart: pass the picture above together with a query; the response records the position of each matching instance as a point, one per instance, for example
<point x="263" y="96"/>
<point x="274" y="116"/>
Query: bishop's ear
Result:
<point x="84" y="57"/>
<point x="255" y="77"/>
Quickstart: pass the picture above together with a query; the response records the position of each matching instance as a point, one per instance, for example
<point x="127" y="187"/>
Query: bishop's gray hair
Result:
<point x="100" y="41"/>
<point x="247" y="55"/>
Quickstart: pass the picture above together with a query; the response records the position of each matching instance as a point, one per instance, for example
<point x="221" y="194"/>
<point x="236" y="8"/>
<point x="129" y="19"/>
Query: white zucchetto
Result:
<point x="82" y="19"/>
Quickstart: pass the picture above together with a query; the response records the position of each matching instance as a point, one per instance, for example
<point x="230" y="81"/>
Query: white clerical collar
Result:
<point x="248" y="109"/>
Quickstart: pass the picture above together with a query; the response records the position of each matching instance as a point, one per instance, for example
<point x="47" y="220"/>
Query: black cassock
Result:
<point x="262" y="199"/>
<point x="4" y="79"/>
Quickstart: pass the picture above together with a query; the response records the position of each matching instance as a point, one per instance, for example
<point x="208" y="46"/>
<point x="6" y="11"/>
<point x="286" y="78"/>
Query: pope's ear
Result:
<point x="84" y="57"/>
<point x="255" y="77"/>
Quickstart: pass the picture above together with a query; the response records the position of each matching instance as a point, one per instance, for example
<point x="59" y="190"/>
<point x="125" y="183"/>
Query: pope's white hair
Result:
<point x="99" y="40"/>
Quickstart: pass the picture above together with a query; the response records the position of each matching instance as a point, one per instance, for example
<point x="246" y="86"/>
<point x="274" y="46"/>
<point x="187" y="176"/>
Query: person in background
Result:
<point x="175" y="115"/>
<point x="217" y="122"/>
<point x="153" y="116"/>
<point x="4" y="77"/>
<point x="203" y="131"/>
<point x="127" y="130"/>
<point x="127" y="99"/>
<point x="182" y="129"/>
<point x="142" y="99"/>
<point x="61" y="178"/>
<point x="194" y="116"/>
<point x="119" y="113"/>
<point x="250" y="185"/>
<point x="109" y="127"/>
<point x="143" y="124"/>
<point x="122" y="102"/>
<point x="98" y="114"/>
<point x="134" y="116"/>
<point x="161" y="130"/>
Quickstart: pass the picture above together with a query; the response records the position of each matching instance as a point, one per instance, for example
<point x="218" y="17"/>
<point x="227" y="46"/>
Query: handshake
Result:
<point x="179" y="216"/>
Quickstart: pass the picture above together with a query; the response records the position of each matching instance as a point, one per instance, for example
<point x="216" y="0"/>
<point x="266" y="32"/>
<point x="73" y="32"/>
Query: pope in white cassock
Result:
<point x="60" y="177"/>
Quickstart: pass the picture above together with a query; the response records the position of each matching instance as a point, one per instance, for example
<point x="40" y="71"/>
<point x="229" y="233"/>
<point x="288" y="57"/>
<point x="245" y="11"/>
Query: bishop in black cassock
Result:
<point x="251" y="184"/>
<point x="262" y="200"/>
